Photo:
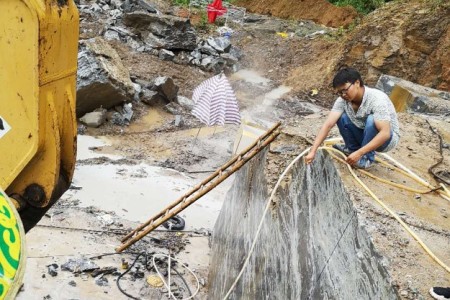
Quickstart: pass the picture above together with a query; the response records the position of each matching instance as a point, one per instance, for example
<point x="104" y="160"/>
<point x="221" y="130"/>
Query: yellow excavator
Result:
<point x="38" y="64"/>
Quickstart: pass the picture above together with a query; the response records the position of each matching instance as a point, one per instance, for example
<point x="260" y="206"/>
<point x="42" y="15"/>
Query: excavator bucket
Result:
<point x="38" y="63"/>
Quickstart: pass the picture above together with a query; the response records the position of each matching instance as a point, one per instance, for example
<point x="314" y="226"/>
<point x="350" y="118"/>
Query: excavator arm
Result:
<point x="38" y="63"/>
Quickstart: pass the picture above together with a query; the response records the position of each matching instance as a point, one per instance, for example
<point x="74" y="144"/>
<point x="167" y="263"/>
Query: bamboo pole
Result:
<point x="203" y="188"/>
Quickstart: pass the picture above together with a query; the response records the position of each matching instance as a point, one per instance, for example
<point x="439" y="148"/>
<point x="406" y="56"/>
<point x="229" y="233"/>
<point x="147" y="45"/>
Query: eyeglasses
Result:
<point x="344" y="91"/>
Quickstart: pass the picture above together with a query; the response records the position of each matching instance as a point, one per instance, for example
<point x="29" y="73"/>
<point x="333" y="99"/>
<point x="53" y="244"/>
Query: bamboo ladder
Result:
<point x="201" y="189"/>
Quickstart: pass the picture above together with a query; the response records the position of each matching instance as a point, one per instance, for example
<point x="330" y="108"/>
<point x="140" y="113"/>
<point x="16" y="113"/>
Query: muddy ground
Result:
<point x="124" y="175"/>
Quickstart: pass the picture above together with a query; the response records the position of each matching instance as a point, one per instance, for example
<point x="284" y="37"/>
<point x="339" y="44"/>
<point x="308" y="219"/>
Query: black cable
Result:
<point x="185" y="283"/>
<point x="128" y="270"/>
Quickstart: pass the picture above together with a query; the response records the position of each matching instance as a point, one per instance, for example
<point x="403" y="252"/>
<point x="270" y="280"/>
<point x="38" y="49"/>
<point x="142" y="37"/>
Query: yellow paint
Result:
<point x="38" y="50"/>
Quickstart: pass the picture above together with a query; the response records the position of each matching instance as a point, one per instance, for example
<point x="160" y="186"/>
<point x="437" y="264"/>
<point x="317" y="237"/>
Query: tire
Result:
<point x="177" y="223"/>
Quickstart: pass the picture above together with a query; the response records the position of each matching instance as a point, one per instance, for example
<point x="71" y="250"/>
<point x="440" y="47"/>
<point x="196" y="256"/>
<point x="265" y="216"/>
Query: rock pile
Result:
<point x="104" y="83"/>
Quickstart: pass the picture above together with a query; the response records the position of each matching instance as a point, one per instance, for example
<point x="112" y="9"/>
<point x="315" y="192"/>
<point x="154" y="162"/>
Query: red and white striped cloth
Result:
<point x="215" y="102"/>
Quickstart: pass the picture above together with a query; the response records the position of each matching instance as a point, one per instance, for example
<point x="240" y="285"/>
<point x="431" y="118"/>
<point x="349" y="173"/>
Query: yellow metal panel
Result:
<point x="19" y="89"/>
<point x="43" y="60"/>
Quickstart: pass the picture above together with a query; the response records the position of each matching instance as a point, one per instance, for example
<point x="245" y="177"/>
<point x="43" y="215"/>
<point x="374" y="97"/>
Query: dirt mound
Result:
<point x="319" y="11"/>
<point x="408" y="40"/>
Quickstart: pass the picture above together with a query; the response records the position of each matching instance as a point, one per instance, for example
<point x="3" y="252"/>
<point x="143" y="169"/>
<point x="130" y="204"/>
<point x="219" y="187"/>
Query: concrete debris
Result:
<point x="79" y="265"/>
<point x="102" y="80"/>
<point x="95" y="118"/>
<point x="411" y="97"/>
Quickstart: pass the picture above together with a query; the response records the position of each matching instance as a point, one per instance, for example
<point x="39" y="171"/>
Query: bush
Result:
<point x="362" y="6"/>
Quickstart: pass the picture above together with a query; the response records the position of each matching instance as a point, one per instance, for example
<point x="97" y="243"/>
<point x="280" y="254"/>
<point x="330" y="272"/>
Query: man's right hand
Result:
<point x="310" y="157"/>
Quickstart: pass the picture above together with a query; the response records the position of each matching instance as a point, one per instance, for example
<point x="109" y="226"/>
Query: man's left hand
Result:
<point x="354" y="157"/>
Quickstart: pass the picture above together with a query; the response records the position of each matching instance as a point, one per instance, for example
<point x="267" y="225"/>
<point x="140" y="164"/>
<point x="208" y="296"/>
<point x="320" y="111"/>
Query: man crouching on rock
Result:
<point x="366" y="119"/>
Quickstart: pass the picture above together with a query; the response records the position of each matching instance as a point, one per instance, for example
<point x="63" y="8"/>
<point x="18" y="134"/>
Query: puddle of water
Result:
<point x="153" y="119"/>
<point x="137" y="192"/>
<point x="250" y="76"/>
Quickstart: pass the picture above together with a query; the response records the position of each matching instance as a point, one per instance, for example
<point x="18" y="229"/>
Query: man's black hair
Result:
<point x="345" y="75"/>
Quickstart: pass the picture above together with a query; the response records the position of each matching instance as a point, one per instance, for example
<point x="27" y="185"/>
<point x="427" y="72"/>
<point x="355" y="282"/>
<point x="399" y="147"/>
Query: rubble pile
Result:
<point x="104" y="83"/>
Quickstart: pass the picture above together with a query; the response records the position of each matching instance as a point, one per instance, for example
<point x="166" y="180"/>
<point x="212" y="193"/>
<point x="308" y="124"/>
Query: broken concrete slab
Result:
<point x="411" y="97"/>
<point x="102" y="79"/>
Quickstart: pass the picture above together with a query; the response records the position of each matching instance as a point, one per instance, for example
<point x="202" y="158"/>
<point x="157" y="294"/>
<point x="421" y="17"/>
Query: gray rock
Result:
<point x="102" y="79"/>
<point x="178" y="121"/>
<point x="207" y="49"/>
<point x="95" y="118"/>
<point x="162" y="31"/>
<point x="196" y="54"/>
<point x="220" y="44"/>
<point x="147" y="6"/>
<point x="79" y="265"/>
<point x="166" y="88"/>
<point x="229" y="58"/>
<point x="111" y="35"/>
<point x="174" y="108"/>
<point x="411" y="97"/>
<point x="166" y="54"/>
<point x="185" y="102"/>
<point x="150" y="97"/>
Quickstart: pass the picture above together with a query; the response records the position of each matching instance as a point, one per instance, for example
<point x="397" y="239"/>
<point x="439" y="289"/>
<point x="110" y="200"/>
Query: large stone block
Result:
<point x="310" y="246"/>
<point x="102" y="79"/>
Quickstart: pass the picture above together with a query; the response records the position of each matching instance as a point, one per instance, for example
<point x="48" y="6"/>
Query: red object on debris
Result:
<point x="215" y="9"/>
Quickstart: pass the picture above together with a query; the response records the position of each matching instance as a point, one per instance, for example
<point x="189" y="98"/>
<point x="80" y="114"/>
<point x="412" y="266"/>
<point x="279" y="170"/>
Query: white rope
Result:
<point x="167" y="285"/>
<point x="252" y="248"/>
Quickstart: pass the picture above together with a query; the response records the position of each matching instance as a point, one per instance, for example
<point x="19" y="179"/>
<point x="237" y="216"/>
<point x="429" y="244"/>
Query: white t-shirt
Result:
<point x="375" y="103"/>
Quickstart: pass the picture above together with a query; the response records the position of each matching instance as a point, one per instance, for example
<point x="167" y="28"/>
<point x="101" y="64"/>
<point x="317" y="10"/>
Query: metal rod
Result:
<point x="205" y="181"/>
<point x="162" y="217"/>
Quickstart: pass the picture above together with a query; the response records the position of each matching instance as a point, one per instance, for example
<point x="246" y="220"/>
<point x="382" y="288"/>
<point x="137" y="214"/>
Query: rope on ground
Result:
<point x="167" y="285"/>
<point x="394" y="215"/>
<point x="425" y="247"/>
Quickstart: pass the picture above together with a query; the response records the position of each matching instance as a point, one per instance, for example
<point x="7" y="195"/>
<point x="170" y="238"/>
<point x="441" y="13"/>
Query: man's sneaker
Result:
<point x="440" y="293"/>
<point x="342" y="148"/>
<point x="363" y="163"/>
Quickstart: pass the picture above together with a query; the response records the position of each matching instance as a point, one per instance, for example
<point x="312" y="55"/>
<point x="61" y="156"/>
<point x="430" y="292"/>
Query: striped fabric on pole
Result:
<point x="215" y="102"/>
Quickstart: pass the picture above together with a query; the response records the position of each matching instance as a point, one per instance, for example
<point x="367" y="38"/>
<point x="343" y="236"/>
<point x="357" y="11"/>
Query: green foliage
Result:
<point x="362" y="6"/>
<point x="181" y="2"/>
